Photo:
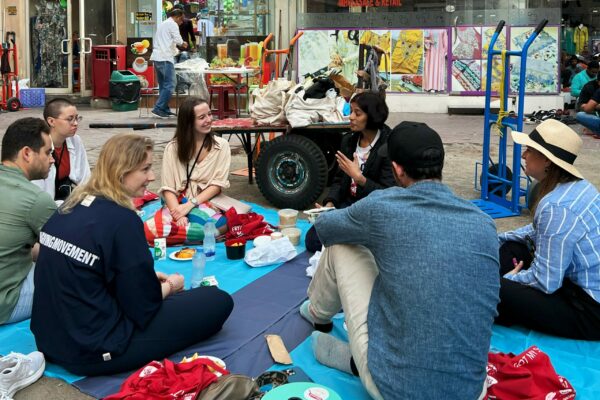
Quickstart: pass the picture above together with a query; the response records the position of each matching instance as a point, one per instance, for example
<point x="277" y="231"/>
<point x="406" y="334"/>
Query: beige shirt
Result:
<point x="213" y="170"/>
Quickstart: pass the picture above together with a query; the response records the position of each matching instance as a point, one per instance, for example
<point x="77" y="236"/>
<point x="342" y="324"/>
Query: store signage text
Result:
<point x="369" y="3"/>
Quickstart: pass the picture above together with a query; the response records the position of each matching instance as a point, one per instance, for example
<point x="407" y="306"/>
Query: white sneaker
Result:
<point x="18" y="371"/>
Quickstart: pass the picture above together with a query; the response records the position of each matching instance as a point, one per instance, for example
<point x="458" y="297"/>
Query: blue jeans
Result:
<point x="22" y="310"/>
<point x="165" y="74"/>
<point x="590" y="121"/>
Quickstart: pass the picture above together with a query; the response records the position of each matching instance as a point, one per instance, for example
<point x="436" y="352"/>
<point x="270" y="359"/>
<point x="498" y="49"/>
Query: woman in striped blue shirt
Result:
<point x="551" y="268"/>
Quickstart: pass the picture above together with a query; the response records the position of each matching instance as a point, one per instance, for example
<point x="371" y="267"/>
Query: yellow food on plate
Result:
<point x="186" y="252"/>
<point x="146" y="43"/>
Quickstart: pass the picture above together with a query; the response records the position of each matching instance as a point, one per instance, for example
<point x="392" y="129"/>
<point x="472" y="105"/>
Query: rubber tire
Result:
<point x="283" y="187"/>
<point x="13" y="104"/>
<point x="493" y="169"/>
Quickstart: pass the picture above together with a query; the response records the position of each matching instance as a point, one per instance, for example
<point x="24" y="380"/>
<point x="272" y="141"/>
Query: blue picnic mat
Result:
<point x="266" y="302"/>
<point x="232" y="275"/>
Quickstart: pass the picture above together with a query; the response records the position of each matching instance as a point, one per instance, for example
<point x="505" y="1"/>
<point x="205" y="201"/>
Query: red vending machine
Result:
<point x="105" y="60"/>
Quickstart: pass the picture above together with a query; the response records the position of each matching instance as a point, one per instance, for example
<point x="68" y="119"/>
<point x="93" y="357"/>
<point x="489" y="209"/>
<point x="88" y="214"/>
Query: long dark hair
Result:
<point x="554" y="176"/>
<point x="184" y="133"/>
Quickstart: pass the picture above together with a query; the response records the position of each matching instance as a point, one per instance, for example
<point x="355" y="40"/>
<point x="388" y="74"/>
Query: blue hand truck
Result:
<point x="497" y="179"/>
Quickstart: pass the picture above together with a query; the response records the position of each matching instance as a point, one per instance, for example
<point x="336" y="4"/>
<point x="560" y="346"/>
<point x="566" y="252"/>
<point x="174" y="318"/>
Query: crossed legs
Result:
<point x="344" y="280"/>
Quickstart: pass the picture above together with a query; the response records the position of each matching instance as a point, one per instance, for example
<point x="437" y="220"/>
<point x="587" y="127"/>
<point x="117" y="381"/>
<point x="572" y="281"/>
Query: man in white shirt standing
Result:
<point x="163" y="56"/>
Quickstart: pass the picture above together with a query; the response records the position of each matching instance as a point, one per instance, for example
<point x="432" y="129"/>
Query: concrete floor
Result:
<point x="462" y="136"/>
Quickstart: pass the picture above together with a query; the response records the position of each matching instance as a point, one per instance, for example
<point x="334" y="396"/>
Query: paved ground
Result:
<point x="462" y="136"/>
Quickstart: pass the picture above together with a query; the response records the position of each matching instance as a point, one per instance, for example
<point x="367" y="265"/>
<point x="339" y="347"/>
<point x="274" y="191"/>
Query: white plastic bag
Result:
<point x="276" y="251"/>
<point x="300" y="112"/>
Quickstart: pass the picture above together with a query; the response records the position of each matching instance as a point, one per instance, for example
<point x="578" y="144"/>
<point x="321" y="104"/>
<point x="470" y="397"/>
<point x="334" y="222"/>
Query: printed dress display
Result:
<point x="407" y="61"/>
<point x="542" y="60"/>
<point x="488" y="32"/>
<point x="466" y="59"/>
<point x="436" y="50"/>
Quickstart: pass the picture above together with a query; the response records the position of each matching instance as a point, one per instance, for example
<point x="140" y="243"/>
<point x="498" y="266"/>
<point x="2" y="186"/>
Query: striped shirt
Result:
<point x="566" y="233"/>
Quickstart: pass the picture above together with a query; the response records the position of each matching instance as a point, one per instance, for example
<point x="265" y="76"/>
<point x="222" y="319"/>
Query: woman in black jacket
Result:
<point x="360" y="169"/>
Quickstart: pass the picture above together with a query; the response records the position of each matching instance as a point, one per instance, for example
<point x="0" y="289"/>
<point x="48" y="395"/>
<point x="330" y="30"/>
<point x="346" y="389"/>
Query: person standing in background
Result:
<point x="163" y="55"/>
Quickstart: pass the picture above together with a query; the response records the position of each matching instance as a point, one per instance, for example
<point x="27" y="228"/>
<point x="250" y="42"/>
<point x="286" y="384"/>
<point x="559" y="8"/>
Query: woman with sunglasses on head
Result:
<point x="195" y="163"/>
<point x="71" y="166"/>
<point x="99" y="307"/>
<point x="360" y="169"/>
<point x="551" y="268"/>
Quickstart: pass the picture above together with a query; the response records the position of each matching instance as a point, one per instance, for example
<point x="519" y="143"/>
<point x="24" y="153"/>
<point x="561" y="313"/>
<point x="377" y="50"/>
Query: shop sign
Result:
<point x="369" y="3"/>
<point x="143" y="16"/>
<point x="11" y="10"/>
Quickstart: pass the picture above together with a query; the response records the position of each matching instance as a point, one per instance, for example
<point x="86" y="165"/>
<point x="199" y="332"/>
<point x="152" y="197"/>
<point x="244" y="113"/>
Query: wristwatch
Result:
<point x="194" y="201"/>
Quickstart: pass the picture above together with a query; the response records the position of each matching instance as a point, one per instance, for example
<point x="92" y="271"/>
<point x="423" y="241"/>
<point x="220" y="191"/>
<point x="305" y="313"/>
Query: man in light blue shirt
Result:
<point x="579" y="80"/>
<point x="164" y="49"/>
<point x="415" y="270"/>
<point x="551" y="268"/>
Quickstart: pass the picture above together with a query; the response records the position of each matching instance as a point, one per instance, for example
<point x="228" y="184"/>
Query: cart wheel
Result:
<point x="494" y="185"/>
<point x="13" y="104"/>
<point x="291" y="171"/>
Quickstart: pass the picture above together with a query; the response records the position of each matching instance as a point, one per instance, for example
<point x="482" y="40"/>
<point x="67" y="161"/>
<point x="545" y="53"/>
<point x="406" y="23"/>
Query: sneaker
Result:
<point x="159" y="114"/>
<point x="171" y="114"/>
<point x="18" y="371"/>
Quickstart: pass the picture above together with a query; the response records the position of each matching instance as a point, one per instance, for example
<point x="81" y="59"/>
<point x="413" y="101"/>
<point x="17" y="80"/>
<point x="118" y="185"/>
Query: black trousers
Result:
<point x="569" y="312"/>
<point x="184" y="319"/>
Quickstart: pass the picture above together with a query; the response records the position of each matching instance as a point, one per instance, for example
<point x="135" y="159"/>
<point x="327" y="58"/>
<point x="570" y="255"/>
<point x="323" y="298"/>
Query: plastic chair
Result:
<point x="223" y="109"/>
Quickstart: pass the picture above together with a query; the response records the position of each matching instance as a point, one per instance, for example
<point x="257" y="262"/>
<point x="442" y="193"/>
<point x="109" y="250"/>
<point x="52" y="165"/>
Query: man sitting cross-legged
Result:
<point x="415" y="270"/>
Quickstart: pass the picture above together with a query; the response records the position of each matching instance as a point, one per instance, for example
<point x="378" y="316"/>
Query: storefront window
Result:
<point x="142" y="18"/>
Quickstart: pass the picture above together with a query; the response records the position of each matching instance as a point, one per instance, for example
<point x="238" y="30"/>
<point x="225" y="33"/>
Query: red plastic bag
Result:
<point x="168" y="381"/>
<point x="245" y="226"/>
<point x="529" y="375"/>
<point x="148" y="196"/>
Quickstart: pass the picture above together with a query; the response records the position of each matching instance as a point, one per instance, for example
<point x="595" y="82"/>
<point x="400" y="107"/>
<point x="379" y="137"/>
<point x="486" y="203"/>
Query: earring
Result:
<point x="546" y="169"/>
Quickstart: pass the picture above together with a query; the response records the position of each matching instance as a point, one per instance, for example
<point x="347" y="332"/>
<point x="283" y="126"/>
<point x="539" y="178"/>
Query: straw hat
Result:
<point x="556" y="141"/>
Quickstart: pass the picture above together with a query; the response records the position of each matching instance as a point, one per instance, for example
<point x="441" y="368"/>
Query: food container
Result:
<point x="261" y="240"/>
<point x="293" y="234"/>
<point x="235" y="248"/>
<point x="276" y="235"/>
<point x="288" y="217"/>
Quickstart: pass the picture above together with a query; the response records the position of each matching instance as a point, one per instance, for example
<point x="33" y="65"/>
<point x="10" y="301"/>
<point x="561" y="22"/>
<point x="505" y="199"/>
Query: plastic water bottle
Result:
<point x="198" y="264"/>
<point x="209" y="244"/>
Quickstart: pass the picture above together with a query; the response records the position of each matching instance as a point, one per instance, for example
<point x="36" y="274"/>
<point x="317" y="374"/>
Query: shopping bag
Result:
<point x="528" y="375"/>
<point x="245" y="226"/>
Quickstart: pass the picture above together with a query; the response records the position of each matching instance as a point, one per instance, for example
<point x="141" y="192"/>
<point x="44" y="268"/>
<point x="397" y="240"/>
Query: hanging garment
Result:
<point x="580" y="38"/>
<point x="467" y="43"/>
<point x="568" y="42"/>
<point x="436" y="47"/>
<point x="408" y="52"/>
<point x="381" y="40"/>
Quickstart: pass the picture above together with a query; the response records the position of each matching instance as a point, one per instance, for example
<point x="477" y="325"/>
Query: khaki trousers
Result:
<point x="344" y="280"/>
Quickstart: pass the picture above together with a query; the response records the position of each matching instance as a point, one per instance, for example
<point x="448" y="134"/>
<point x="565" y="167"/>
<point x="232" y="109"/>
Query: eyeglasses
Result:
<point x="72" y="119"/>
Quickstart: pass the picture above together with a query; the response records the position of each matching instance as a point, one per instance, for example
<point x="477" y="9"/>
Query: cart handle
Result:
<point x="295" y="38"/>
<point x="500" y="26"/>
<point x="541" y="26"/>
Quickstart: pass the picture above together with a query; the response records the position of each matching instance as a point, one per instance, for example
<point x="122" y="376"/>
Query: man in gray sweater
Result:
<point x="415" y="270"/>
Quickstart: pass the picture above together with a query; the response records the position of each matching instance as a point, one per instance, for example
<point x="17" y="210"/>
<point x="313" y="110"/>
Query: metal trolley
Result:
<point x="497" y="179"/>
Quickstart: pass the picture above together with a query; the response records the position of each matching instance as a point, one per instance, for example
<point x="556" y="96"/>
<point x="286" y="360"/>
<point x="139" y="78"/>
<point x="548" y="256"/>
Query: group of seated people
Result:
<point x="583" y="82"/>
<point x="99" y="307"/>
<point x="420" y="274"/>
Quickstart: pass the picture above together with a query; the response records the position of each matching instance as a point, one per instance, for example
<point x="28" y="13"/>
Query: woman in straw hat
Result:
<point x="551" y="268"/>
<point x="99" y="306"/>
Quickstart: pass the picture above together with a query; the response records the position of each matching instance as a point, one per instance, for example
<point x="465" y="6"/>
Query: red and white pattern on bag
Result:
<point x="528" y="375"/>
<point x="245" y="226"/>
<point x="169" y="381"/>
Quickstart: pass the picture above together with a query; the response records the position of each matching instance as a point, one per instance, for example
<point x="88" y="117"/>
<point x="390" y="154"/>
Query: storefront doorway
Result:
<point x="61" y="36"/>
